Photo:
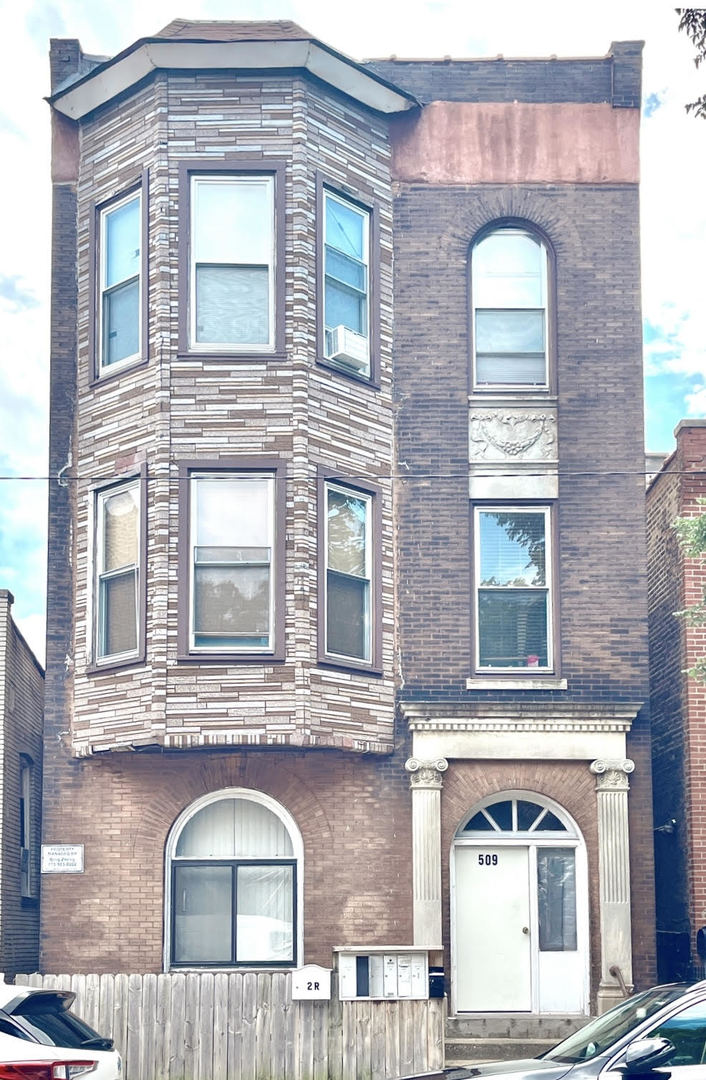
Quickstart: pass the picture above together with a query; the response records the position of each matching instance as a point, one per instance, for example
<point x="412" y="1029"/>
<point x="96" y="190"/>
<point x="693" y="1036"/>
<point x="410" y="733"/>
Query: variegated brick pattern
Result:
<point x="176" y="409"/>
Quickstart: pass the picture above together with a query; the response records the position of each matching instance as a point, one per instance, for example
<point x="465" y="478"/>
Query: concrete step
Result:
<point x="513" y="1026"/>
<point x="472" y="1050"/>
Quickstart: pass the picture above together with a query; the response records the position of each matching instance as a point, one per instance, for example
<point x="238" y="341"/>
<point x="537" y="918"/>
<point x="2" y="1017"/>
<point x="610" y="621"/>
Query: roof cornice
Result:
<point x="118" y="74"/>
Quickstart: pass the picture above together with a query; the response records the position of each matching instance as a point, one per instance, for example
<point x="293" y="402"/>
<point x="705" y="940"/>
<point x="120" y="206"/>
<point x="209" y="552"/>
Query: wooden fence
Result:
<point x="245" y="1026"/>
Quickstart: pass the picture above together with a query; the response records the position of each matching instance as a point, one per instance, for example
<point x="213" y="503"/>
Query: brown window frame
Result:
<point x="232" y="166"/>
<point x="373" y="666"/>
<point x="550" y="346"/>
<point x="101" y="373"/>
<point x="553" y="670"/>
<point x="237" y="466"/>
<point x="112" y="662"/>
<point x="325" y="184"/>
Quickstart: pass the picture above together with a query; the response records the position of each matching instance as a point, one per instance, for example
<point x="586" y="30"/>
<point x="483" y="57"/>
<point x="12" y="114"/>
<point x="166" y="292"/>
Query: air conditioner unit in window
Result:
<point x="348" y="347"/>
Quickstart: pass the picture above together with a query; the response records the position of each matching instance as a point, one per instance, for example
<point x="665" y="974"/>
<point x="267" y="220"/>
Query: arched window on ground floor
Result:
<point x="233" y="883"/>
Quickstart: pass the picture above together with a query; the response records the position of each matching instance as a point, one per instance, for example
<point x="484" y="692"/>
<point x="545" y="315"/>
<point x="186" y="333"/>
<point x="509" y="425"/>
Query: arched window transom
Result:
<point x="518" y="816"/>
<point x="233" y="877"/>
<point x="509" y="299"/>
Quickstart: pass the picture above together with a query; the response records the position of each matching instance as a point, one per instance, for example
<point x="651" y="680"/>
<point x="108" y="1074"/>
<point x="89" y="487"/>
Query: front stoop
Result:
<point x="502" y="1037"/>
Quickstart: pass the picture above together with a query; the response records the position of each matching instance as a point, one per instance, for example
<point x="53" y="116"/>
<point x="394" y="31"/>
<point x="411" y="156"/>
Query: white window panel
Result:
<point x="348" y="573"/>
<point x="509" y="318"/>
<point x="513" y="609"/>
<point x="232" y="571"/>
<point x="120" y="286"/>
<point x="117" y="572"/>
<point x="346" y="284"/>
<point x="232" y="263"/>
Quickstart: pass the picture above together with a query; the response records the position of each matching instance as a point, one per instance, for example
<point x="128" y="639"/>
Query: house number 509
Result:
<point x="488" y="860"/>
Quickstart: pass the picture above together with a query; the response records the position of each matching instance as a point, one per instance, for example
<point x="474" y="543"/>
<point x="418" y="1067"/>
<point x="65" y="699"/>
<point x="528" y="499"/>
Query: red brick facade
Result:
<point x="131" y="747"/>
<point x="678" y="704"/>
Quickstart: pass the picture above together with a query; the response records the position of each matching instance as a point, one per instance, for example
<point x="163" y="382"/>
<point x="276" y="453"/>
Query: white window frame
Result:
<point x="231" y="179"/>
<point x="25" y="807"/>
<point x="367" y="498"/>
<point x="508" y="386"/>
<point x="298" y="855"/>
<point x="232" y="474"/>
<point x="328" y="329"/>
<point x="102" y="495"/>
<point x="105" y="368"/>
<point x="547" y="588"/>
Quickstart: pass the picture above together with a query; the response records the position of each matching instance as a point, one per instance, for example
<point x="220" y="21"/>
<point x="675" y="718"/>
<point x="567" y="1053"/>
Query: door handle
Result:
<point x="525" y="929"/>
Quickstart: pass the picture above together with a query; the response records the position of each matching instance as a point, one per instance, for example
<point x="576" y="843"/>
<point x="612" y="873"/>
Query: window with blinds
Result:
<point x="232" y="243"/>
<point x="231" y="541"/>
<point x="117" y="572"/>
<point x="513" y="588"/>
<point x="509" y="310"/>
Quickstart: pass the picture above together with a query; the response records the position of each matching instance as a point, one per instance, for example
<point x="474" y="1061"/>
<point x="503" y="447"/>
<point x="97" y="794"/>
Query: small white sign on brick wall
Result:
<point x="62" y="858"/>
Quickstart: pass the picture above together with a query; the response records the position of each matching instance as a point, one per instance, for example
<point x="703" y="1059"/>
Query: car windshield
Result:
<point x="608" y="1029"/>
<point x="47" y="1020"/>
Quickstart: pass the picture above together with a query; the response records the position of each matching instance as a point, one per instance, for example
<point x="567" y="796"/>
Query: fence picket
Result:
<point x="177" y="1023"/>
<point x="162" y="1043"/>
<point x="220" y="1027"/>
<point x="235" y="1026"/>
<point x="245" y="1026"/>
<point x="248" y="1047"/>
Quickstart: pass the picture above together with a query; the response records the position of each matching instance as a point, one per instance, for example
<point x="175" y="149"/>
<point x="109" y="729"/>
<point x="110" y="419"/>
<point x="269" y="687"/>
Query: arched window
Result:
<point x="232" y="882"/>
<point x="509" y="304"/>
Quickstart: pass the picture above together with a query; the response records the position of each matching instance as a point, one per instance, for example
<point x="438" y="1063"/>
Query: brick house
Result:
<point x="678" y="705"/>
<point x="332" y="537"/>
<point x="21" y="699"/>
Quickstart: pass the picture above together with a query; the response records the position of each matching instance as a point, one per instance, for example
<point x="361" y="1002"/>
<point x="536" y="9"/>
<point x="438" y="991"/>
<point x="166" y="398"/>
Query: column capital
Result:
<point x="426" y="774"/>
<point x="612" y="773"/>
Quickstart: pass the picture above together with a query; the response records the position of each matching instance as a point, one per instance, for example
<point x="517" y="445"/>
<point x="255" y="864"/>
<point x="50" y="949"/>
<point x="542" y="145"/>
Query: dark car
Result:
<point x="659" y="1033"/>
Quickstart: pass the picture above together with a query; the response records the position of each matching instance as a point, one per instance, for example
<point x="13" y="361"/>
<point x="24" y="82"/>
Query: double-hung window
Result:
<point x="509" y="301"/>
<point x="346" y="293"/>
<point x="233" y="559"/>
<point x="120" y="283"/>
<point x="348" y="577"/>
<point x="513" y="588"/>
<point x="232" y="263"/>
<point x="118" y="572"/>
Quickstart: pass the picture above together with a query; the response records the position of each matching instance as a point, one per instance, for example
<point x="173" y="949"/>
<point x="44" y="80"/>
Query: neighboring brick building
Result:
<point x="678" y="706"/>
<point x="21" y="702"/>
<point x="260" y="537"/>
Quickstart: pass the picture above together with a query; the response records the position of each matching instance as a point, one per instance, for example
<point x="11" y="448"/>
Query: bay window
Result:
<point x="347" y="579"/>
<point x="118" y="585"/>
<point x="232" y="258"/>
<point x="509" y="310"/>
<point x="235" y="571"/>
<point x="513" y="588"/>
<point x="120" y="283"/>
<point x="346" y="293"/>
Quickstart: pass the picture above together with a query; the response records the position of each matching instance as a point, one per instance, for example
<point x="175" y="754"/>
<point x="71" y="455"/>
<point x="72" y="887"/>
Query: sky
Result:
<point x="673" y="208"/>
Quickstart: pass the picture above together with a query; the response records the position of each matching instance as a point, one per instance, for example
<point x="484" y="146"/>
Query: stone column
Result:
<point x="425" y="780"/>
<point x="614" y="877"/>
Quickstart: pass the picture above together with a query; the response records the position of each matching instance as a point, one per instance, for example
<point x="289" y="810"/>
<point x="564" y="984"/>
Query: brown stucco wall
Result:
<point x="517" y="143"/>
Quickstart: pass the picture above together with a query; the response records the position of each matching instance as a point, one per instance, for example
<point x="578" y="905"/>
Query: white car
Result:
<point x="37" y="1028"/>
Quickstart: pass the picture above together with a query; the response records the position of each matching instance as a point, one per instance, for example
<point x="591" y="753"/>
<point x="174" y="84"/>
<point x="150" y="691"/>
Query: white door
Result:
<point x="493" y="951"/>
<point x="520" y="909"/>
